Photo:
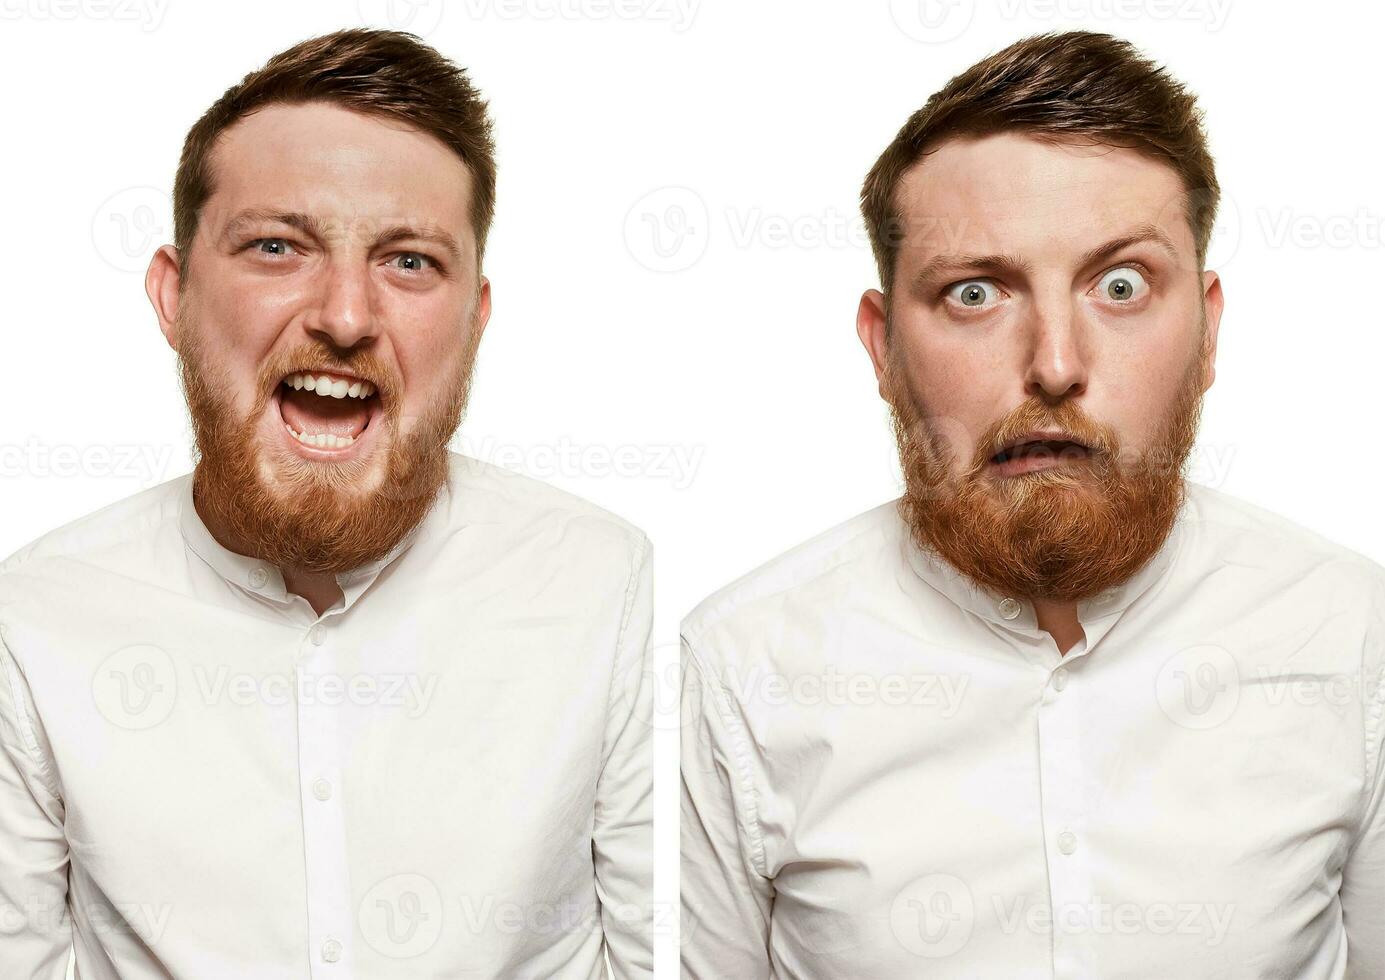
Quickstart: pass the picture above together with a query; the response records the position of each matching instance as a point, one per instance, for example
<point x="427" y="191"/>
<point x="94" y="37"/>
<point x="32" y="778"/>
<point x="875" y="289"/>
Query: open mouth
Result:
<point x="327" y="414"/>
<point x="1036" y="454"/>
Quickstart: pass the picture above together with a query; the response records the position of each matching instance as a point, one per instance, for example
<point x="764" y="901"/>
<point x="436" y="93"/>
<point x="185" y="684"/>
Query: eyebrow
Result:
<point x="317" y="228"/>
<point x="941" y="266"/>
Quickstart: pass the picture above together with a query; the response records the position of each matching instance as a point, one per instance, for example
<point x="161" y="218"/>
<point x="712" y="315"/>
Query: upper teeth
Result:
<point x="334" y="387"/>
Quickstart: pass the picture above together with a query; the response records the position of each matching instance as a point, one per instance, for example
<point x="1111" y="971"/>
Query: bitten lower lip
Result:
<point x="317" y="452"/>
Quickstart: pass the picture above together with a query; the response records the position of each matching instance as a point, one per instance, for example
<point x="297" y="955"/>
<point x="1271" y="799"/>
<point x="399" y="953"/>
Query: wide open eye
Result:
<point x="1122" y="285"/>
<point x="973" y="292"/>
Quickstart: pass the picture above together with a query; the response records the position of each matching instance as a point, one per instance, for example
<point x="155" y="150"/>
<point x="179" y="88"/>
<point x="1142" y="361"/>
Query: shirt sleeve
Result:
<point x="725" y="895"/>
<point x="35" y="930"/>
<point x="1363" y="879"/>
<point x="623" y="839"/>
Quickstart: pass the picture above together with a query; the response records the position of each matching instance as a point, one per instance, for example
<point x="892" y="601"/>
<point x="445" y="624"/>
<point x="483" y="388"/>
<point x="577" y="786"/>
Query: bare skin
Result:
<point x="1045" y="329"/>
<point x="260" y="285"/>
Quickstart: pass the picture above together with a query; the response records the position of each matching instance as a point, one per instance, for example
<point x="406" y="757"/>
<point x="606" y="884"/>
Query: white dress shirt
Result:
<point x="889" y="773"/>
<point x="445" y="774"/>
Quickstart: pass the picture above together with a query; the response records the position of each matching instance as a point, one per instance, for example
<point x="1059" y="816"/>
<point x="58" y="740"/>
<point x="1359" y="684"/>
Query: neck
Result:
<point x="1059" y="619"/>
<point x="320" y="589"/>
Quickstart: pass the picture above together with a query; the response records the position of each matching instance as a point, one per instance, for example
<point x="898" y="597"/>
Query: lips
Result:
<point x="320" y="418"/>
<point x="1034" y="447"/>
<point x="311" y="413"/>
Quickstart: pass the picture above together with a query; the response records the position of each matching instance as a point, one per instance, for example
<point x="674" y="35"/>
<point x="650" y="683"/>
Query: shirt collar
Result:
<point x="263" y="578"/>
<point x="1017" y="612"/>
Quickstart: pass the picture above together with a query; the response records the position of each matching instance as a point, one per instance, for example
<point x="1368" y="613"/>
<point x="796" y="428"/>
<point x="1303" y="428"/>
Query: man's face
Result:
<point x="335" y="244"/>
<point x="1043" y="287"/>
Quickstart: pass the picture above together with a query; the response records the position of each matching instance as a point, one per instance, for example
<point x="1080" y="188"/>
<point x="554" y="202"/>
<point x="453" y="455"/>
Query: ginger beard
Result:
<point x="1064" y="533"/>
<point x="314" y="515"/>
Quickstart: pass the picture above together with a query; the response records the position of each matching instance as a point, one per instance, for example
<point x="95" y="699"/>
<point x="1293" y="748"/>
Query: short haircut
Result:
<point x="1076" y="86"/>
<point x="378" y="72"/>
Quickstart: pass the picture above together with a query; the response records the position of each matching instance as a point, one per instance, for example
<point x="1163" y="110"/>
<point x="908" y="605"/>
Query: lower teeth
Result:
<point x="322" y="440"/>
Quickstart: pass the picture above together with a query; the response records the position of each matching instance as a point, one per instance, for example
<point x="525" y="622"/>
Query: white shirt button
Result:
<point x="1060" y="678"/>
<point x="331" y="951"/>
<point x="317" y="634"/>
<point x="1067" y="842"/>
<point x="258" y="577"/>
<point x="322" y="789"/>
<point x="1009" y="608"/>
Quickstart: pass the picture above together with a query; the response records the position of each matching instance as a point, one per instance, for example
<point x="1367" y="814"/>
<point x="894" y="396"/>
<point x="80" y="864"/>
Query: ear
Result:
<point x="1213" y="301"/>
<point x="870" y="327"/>
<point x="161" y="284"/>
<point x="483" y="307"/>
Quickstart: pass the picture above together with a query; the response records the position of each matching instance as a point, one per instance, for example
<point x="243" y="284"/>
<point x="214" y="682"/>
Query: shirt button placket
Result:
<point x="1064" y="816"/>
<point x="324" y="830"/>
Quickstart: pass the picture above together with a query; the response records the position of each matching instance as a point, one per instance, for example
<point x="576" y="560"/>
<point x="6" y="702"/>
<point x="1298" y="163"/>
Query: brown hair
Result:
<point x="385" y="73"/>
<point x="1073" y="86"/>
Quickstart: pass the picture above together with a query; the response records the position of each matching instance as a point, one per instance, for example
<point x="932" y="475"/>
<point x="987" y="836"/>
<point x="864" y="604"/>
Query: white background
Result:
<point x="719" y="358"/>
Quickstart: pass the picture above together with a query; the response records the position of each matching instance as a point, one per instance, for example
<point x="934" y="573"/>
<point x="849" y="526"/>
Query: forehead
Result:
<point x="331" y="162"/>
<point x="1008" y="192"/>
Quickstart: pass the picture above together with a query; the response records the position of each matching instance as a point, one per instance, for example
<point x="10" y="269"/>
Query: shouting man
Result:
<point x="341" y="703"/>
<point x="1052" y="714"/>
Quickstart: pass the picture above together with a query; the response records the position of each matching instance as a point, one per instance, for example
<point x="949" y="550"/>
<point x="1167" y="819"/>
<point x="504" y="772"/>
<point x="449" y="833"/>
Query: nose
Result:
<point x="344" y="316"/>
<point x="1057" y="362"/>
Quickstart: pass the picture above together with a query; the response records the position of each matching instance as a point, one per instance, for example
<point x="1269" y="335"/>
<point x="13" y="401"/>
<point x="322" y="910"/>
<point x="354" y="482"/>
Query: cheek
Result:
<point x="961" y="393"/>
<point x="1140" y="396"/>
<point x="427" y="357"/>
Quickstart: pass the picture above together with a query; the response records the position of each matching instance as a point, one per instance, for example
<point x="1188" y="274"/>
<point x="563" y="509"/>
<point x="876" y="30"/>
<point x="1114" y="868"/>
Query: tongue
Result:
<point x="313" y="414"/>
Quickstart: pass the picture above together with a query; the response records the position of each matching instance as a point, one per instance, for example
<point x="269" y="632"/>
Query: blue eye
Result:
<point x="421" y="261"/>
<point x="972" y="293"/>
<point x="280" y="243"/>
<point x="1122" y="285"/>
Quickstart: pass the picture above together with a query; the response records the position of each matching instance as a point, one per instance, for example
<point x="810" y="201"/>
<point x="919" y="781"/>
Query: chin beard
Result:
<point x="1065" y="533"/>
<point x="270" y="503"/>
